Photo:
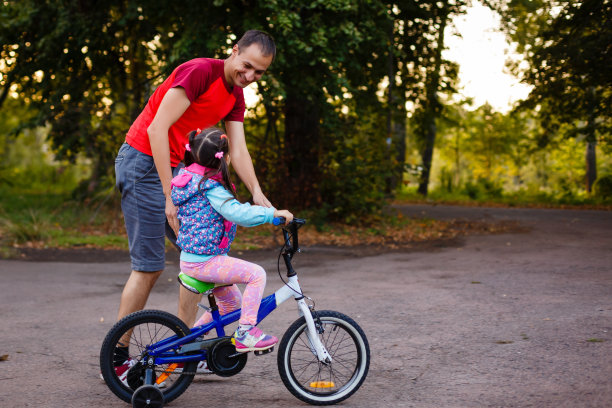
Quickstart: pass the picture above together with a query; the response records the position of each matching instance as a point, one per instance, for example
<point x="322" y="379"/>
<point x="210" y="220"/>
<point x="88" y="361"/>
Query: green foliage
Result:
<point x="87" y="69"/>
<point x="28" y="164"/>
<point x="437" y="76"/>
<point x="353" y="176"/>
<point x="76" y="73"/>
<point x="566" y="68"/>
<point x="320" y="63"/>
<point x="485" y="155"/>
<point x="603" y="187"/>
<point x="566" y="45"/>
<point x="482" y="189"/>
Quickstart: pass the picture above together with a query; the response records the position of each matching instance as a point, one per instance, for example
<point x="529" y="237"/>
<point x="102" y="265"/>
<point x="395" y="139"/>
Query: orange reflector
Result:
<point x="322" y="384"/>
<point x="166" y="373"/>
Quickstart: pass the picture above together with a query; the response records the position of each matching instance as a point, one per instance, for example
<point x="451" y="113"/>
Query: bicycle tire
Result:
<point x="316" y="383"/>
<point x="145" y="327"/>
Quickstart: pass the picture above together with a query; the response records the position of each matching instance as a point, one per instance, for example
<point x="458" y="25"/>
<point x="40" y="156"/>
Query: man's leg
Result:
<point x="136" y="292"/>
<point x="143" y="205"/>
<point x="188" y="306"/>
<point x="134" y="297"/>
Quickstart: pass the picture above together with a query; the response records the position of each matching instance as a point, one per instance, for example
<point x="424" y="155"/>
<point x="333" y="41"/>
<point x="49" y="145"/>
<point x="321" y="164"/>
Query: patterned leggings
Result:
<point x="225" y="269"/>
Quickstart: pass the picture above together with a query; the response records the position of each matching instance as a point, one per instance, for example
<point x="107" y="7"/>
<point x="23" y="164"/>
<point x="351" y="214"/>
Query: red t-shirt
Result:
<point x="211" y="97"/>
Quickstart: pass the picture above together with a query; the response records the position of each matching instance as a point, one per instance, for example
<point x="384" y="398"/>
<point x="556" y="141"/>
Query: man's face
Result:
<point x="246" y="66"/>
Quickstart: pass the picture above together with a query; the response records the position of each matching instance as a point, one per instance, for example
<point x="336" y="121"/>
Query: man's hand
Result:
<point x="171" y="215"/>
<point x="260" y="199"/>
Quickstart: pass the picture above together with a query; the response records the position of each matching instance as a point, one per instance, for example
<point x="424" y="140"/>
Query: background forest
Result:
<point x="359" y="108"/>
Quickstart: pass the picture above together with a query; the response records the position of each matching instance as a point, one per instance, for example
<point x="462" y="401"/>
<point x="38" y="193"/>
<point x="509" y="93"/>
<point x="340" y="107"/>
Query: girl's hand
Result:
<point x="285" y="214"/>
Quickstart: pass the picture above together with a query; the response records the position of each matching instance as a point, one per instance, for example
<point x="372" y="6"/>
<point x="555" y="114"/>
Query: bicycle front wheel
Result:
<point x="125" y="372"/>
<point x="324" y="384"/>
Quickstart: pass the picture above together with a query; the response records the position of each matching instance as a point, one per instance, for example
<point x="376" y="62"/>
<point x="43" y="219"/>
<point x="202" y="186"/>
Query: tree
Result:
<point x="567" y="47"/>
<point x="86" y="69"/>
<point x="327" y="60"/>
<point x="81" y="67"/>
<point x="433" y="74"/>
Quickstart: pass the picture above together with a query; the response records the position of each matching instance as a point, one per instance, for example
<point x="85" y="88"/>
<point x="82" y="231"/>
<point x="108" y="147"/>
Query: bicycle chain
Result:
<point x="161" y="370"/>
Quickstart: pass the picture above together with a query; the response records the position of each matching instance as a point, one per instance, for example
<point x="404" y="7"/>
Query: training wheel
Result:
<point x="147" y="396"/>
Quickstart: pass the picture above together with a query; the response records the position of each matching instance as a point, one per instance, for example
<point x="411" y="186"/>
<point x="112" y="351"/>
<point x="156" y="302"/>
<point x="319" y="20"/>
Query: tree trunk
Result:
<point x="396" y="124"/>
<point x="432" y="108"/>
<point x="399" y="139"/>
<point x="591" y="159"/>
<point x="302" y="116"/>
<point x="591" y="165"/>
<point x="427" y="152"/>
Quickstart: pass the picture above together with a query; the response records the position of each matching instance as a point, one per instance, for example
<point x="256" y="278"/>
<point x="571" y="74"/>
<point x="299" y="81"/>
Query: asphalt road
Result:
<point x="512" y="320"/>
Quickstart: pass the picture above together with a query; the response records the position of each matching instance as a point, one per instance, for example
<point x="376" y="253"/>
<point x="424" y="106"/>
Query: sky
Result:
<point x="481" y="54"/>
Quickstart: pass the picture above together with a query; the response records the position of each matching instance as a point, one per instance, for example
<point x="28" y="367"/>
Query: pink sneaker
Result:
<point x="253" y="340"/>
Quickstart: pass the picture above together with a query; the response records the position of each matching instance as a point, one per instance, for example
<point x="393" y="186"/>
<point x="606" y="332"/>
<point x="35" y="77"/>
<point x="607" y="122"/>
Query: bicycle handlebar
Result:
<point x="290" y="235"/>
<point x="281" y="221"/>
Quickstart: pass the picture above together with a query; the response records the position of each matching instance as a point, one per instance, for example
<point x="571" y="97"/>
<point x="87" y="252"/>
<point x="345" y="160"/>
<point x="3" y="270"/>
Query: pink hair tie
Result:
<point x="219" y="155"/>
<point x="187" y="147"/>
<point x="223" y="136"/>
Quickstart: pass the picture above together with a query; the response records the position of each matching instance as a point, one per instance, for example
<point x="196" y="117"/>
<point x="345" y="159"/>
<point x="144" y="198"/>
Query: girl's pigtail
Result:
<point x="225" y="172"/>
<point x="227" y="180"/>
<point x="188" y="158"/>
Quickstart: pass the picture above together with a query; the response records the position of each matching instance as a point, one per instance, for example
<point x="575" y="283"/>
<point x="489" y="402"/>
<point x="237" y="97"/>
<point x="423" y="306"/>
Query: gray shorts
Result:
<point x="144" y="208"/>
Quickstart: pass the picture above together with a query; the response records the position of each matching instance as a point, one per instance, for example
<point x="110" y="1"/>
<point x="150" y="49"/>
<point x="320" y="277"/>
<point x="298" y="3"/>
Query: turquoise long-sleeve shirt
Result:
<point x="243" y="214"/>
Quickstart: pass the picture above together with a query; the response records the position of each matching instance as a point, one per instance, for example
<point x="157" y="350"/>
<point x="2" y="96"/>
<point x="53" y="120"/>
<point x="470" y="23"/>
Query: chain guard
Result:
<point x="223" y="359"/>
<point x="136" y="376"/>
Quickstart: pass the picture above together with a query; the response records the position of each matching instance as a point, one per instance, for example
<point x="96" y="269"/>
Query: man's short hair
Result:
<point x="261" y="38"/>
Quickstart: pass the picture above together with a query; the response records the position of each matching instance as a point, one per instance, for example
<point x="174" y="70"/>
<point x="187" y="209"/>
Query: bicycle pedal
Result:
<point x="262" y="352"/>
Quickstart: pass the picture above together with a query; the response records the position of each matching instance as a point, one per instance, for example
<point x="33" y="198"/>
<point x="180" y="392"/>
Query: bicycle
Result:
<point x="323" y="357"/>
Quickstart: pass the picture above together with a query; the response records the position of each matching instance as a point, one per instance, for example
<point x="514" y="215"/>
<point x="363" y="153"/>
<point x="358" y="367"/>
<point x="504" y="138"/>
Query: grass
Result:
<point x="523" y="198"/>
<point x="55" y="219"/>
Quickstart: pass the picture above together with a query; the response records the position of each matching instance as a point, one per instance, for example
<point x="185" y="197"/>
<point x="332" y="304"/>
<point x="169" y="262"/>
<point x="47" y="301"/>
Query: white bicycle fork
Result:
<point x="292" y="290"/>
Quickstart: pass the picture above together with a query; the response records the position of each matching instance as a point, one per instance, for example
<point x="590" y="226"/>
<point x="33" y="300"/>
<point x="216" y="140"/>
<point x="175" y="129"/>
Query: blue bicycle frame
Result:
<point x="163" y="351"/>
<point x="160" y="350"/>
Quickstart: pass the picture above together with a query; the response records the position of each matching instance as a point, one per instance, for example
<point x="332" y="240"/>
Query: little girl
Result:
<point x="209" y="212"/>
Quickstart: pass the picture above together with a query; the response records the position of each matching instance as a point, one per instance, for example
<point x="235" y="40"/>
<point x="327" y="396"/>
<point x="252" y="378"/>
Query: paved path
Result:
<point x="514" y="320"/>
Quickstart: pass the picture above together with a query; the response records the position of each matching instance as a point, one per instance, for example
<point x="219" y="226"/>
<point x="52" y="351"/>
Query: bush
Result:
<point x="482" y="189"/>
<point x="603" y="187"/>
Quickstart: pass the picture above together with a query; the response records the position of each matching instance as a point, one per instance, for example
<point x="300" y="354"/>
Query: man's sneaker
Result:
<point x="253" y="340"/>
<point x="123" y="369"/>
<point x="202" y="368"/>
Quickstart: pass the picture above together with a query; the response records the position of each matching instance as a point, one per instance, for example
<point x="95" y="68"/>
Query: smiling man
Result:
<point x="198" y="94"/>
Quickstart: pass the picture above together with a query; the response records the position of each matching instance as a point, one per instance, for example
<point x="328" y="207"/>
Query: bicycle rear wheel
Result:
<point x="324" y="384"/>
<point x="142" y="329"/>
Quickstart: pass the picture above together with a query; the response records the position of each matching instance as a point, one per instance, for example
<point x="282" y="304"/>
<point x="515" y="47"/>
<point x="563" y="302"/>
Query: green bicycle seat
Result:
<point x="194" y="285"/>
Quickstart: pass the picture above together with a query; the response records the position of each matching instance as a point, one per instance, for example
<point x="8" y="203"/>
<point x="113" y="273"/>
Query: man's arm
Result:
<point x="242" y="163"/>
<point x="171" y="108"/>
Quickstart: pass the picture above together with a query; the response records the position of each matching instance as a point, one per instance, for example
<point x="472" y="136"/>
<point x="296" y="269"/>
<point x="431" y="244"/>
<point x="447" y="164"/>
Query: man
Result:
<point x="198" y="94"/>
